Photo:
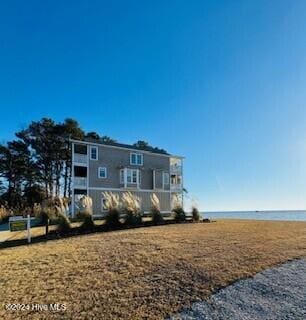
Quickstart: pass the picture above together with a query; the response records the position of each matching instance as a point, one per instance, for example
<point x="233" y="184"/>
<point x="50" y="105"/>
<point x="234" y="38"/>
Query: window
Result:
<point x="166" y="178"/>
<point x="132" y="176"/>
<point x="93" y="153"/>
<point x="136" y="159"/>
<point x="103" y="205"/>
<point x="102" y="172"/>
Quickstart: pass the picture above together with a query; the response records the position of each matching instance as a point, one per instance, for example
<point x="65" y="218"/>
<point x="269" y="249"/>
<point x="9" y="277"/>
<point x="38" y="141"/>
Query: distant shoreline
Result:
<point x="275" y="215"/>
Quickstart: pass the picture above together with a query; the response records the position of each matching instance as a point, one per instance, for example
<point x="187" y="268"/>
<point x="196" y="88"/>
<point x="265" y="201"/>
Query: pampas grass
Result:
<point x="85" y="213"/>
<point x="178" y="211"/>
<point x="5" y="214"/>
<point x="55" y="209"/>
<point x="131" y="208"/>
<point x="195" y="214"/>
<point x="112" y="204"/>
<point x="155" y="209"/>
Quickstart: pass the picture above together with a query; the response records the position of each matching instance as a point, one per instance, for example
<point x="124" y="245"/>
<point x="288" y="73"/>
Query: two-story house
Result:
<point x="99" y="167"/>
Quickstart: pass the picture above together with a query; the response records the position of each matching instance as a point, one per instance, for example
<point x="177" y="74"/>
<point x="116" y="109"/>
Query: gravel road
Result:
<point x="276" y="293"/>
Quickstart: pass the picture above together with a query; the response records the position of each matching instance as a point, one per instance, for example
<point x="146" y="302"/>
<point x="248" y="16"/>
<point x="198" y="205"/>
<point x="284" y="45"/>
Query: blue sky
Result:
<point x="221" y="82"/>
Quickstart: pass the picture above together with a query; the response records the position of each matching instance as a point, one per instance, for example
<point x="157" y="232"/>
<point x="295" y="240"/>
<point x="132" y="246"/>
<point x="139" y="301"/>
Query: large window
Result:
<point x="136" y="159"/>
<point x="132" y="176"/>
<point x="102" y="172"/>
<point x="93" y="153"/>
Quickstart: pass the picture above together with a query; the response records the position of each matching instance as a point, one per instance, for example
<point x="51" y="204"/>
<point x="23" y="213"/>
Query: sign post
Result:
<point x="29" y="228"/>
<point x="19" y="223"/>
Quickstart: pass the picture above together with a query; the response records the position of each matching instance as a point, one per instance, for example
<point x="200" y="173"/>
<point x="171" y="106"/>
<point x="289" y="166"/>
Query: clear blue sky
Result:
<point x="221" y="82"/>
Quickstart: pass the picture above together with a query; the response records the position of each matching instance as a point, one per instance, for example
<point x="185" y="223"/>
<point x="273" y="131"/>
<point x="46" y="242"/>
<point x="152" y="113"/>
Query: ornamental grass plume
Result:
<point x="196" y="216"/>
<point x="178" y="211"/>
<point x="5" y="213"/>
<point x="130" y="207"/>
<point x="157" y="217"/>
<point x="54" y="209"/>
<point x="85" y="213"/>
<point x="112" y="205"/>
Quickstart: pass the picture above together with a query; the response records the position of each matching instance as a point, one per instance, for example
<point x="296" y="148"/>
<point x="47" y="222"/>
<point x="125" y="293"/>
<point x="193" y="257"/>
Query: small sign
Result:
<point x="18" y="225"/>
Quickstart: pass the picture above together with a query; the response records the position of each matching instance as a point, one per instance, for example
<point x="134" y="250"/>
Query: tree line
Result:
<point x="37" y="163"/>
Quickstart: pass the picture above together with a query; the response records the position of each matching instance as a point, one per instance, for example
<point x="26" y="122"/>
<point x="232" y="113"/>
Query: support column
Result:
<point x="125" y="177"/>
<point x="138" y="178"/>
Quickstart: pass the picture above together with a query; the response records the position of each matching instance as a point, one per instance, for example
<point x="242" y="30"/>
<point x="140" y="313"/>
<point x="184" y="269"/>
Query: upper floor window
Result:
<point x="102" y="172"/>
<point x="93" y="153"/>
<point x="136" y="159"/>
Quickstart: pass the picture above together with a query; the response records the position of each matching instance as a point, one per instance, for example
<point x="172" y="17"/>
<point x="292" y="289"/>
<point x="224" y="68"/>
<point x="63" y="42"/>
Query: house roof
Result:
<point x="125" y="146"/>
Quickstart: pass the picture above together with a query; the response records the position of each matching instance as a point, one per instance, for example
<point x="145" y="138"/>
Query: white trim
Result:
<point x="125" y="176"/>
<point x="130" y="149"/>
<point x="97" y="152"/>
<point x="136" y="190"/>
<point x="154" y="178"/>
<point x="137" y="154"/>
<point x="121" y="176"/>
<point x="105" y="169"/>
<point x="166" y="184"/>
<point x="138" y="179"/>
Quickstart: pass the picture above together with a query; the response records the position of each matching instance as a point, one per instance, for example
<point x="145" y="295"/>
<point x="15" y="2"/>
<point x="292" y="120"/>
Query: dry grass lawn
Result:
<point x="142" y="273"/>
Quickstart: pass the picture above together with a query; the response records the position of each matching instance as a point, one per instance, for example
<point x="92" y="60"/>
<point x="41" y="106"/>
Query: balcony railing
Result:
<point x="80" y="158"/>
<point x="176" y="187"/>
<point x="175" y="168"/>
<point x="80" y="182"/>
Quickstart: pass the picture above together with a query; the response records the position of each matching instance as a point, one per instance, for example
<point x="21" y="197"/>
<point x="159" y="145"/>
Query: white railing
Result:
<point x="175" y="168"/>
<point x="80" y="158"/>
<point x="79" y="182"/>
<point x="176" y="187"/>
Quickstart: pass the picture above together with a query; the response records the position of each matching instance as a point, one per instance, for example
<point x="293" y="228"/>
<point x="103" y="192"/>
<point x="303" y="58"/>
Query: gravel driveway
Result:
<point x="276" y="293"/>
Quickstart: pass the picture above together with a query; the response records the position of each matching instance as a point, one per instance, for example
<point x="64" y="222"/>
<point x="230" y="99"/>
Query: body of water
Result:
<point x="294" y="215"/>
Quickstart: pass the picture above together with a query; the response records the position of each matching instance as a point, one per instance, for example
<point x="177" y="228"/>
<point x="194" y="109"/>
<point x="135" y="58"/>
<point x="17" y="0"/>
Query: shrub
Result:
<point x="64" y="225"/>
<point x="131" y="209"/>
<point x="195" y="214"/>
<point x="113" y="218"/>
<point x="5" y="214"/>
<point x="157" y="217"/>
<point x="113" y="211"/>
<point x="179" y="214"/>
<point x="37" y="210"/>
<point x="55" y="210"/>
<point x="85" y="213"/>
<point x="87" y="221"/>
<point x="178" y="211"/>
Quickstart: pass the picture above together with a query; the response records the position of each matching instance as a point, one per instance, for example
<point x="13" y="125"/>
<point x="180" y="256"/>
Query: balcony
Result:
<point x="176" y="169"/>
<point x="80" y="158"/>
<point x="79" y="182"/>
<point x="176" y="187"/>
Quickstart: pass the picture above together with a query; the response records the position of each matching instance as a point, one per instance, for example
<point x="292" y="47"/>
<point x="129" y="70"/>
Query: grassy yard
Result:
<point x="142" y="273"/>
